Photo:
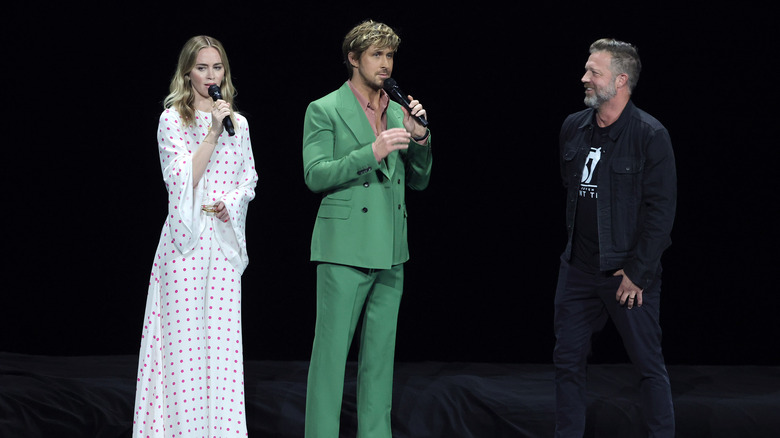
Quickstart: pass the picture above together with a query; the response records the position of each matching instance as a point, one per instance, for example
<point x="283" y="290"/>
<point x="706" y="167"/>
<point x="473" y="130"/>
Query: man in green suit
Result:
<point x="360" y="151"/>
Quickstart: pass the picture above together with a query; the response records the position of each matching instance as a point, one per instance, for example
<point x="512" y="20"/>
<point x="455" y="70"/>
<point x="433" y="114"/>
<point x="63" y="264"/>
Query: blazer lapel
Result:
<point x="355" y="120"/>
<point x="353" y="116"/>
<point x="395" y="119"/>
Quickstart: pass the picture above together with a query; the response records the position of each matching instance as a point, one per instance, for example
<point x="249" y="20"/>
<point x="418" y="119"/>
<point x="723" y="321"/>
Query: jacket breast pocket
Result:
<point x="626" y="165"/>
<point x="569" y="151"/>
<point x="570" y="174"/>
<point x="626" y="187"/>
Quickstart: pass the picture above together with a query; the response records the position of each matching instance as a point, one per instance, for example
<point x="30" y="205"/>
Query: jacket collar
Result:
<point x="617" y="127"/>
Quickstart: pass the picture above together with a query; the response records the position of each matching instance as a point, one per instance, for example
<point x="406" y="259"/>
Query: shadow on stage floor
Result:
<point x="42" y="396"/>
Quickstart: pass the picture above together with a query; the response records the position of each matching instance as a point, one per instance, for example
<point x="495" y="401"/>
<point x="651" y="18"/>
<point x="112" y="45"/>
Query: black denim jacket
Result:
<point x="637" y="190"/>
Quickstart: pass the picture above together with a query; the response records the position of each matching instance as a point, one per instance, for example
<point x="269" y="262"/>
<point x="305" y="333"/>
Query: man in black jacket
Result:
<point x="618" y="168"/>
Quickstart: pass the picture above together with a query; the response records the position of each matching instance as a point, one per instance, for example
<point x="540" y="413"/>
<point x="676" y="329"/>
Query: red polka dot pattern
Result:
<point x="191" y="373"/>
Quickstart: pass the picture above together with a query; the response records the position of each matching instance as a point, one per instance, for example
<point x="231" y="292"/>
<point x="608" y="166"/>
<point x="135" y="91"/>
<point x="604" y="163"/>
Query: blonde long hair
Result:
<point x="181" y="96"/>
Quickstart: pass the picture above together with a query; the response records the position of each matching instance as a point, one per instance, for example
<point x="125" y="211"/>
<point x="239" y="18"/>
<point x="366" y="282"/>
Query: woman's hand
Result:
<point x="222" y="213"/>
<point x="219" y="110"/>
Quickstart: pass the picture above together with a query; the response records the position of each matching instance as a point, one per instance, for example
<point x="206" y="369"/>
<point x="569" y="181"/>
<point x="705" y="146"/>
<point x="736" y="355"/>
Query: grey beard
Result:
<point x="592" y="102"/>
<point x="600" y="97"/>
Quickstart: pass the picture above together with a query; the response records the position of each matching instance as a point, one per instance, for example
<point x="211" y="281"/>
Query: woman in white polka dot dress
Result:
<point x="191" y="375"/>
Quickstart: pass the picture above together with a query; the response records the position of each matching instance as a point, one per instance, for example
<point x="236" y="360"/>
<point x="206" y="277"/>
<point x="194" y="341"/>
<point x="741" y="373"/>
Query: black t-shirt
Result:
<point x="585" y="244"/>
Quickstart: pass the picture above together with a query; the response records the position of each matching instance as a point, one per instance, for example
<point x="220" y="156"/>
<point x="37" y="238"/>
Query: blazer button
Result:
<point x="365" y="184"/>
<point x="399" y="206"/>
<point x="399" y="181"/>
<point x="365" y="210"/>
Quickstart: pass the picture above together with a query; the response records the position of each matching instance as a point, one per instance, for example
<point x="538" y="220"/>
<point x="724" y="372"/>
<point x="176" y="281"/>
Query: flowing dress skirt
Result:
<point x="191" y="376"/>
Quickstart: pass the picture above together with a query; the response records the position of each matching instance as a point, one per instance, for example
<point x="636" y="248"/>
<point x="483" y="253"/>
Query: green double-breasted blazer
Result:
<point x="361" y="220"/>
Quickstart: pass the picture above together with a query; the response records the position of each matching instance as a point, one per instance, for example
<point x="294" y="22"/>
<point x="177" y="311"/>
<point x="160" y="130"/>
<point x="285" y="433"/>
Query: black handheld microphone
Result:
<point x="395" y="93"/>
<point x="226" y="122"/>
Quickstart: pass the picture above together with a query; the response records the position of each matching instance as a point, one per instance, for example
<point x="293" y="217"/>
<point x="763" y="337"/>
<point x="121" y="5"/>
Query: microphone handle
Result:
<point x="400" y="98"/>
<point x="226" y="122"/>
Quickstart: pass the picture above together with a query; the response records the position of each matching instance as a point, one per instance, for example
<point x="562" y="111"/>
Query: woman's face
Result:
<point x="208" y="71"/>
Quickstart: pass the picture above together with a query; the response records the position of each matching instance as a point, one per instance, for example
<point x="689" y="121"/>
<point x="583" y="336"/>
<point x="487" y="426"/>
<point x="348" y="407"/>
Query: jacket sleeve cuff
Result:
<point x="639" y="274"/>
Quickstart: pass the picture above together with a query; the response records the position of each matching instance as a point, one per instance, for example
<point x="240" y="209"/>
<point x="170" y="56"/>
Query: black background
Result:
<point x="85" y="200"/>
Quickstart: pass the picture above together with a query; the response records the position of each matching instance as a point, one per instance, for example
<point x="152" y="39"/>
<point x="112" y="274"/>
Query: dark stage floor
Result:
<point x="43" y="396"/>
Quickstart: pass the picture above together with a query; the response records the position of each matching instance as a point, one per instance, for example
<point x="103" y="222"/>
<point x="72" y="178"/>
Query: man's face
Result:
<point x="374" y="66"/>
<point x="598" y="80"/>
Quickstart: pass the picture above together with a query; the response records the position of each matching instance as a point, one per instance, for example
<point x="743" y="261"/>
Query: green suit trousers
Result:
<point x="343" y="294"/>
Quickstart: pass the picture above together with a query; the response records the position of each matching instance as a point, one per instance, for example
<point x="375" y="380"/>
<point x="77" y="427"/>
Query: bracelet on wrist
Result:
<point x="427" y="132"/>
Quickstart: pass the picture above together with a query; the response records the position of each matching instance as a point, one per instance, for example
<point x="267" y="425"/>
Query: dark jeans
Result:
<point x="582" y="304"/>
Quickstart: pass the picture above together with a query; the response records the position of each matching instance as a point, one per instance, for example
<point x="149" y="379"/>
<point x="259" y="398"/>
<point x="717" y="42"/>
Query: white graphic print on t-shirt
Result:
<point x="589" y="184"/>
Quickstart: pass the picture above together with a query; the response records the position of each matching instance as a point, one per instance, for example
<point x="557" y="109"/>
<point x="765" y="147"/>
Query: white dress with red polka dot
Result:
<point x="191" y="373"/>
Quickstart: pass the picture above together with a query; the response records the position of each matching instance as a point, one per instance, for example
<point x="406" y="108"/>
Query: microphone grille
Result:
<point x="214" y="92"/>
<point x="389" y="84"/>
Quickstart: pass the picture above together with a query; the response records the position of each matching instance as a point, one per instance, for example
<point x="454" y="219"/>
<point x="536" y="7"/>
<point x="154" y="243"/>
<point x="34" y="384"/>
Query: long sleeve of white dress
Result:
<point x="230" y="177"/>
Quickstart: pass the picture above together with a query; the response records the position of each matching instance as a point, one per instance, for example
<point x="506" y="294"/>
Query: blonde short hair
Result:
<point x="366" y="34"/>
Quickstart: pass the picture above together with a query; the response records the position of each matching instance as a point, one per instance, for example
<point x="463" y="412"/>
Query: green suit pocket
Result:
<point x="333" y="211"/>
